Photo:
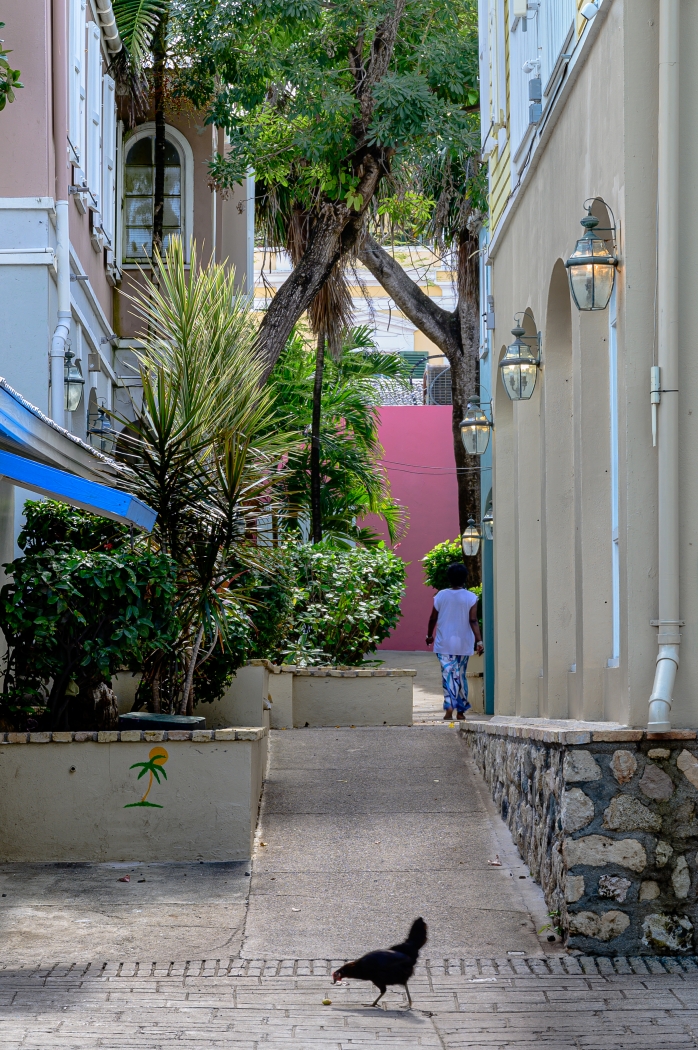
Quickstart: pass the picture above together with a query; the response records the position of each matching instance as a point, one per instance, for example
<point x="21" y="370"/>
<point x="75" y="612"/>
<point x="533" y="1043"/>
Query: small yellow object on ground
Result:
<point x="327" y="1002"/>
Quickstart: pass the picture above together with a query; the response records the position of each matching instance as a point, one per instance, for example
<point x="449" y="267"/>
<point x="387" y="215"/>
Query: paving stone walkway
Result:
<point x="209" y="1004"/>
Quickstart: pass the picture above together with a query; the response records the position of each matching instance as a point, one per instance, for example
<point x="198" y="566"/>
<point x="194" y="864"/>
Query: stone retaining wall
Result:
<point x="605" y="818"/>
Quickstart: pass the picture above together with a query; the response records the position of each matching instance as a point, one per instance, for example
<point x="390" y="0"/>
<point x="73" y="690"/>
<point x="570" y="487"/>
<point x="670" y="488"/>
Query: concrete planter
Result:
<point x="476" y="683"/>
<point x="605" y="818"/>
<point x="295" y="696"/>
<point x="75" y="797"/>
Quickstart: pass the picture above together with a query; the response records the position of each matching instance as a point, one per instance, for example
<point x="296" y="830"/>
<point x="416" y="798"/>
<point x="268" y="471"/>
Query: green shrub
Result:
<point x="272" y="599"/>
<point x="437" y="561"/>
<point x="52" y="524"/>
<point x="72" y="617"/>
<point x="347" y="602"/>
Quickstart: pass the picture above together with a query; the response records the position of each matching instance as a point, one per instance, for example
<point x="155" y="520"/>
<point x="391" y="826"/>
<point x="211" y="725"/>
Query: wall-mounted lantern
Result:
<point x="475" y="430"/>
<point x="102" y="435"/>
<point x="592" y="267"/>
<point x="488" y="524"/>
<point x="74" y="382"/>
<point x="519" y="366"/>
<point x="470" y="540"/>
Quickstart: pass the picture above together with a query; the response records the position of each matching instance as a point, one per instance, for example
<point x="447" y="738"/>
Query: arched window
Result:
<point x="139" y="188"/>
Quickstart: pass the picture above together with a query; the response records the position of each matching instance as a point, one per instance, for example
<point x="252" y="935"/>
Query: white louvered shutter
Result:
<point x="76" y="81"/>
<point x="522" y="48"/>
<point x="484" y="63"/>
<point x="108" y="204"/>
<point x="93" y="171"/>
<point x="557" y="20"/>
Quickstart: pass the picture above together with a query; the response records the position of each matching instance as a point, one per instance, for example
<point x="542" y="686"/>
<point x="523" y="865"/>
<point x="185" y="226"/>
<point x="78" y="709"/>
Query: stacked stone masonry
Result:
<point x="606" y="818"/>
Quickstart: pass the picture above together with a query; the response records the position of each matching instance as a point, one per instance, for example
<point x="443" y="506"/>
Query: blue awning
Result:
<point x="78" y="492"/>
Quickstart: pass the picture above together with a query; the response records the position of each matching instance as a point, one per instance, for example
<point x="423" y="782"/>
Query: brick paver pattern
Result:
<point x="270" y="1004"/>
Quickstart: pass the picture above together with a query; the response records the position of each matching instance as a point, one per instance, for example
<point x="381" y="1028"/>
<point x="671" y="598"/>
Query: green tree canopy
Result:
<point x="322" y="99"/>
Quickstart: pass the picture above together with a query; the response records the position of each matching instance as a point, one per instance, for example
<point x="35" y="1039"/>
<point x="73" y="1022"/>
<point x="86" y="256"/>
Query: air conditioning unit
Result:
<point x="437" y="385"/>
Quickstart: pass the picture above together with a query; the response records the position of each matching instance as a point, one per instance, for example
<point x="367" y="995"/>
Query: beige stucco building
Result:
<point x="594" y="524"/>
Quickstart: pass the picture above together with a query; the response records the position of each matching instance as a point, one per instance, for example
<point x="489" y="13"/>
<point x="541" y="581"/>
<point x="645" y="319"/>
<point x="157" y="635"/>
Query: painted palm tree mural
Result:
<point x="154" y="766"/>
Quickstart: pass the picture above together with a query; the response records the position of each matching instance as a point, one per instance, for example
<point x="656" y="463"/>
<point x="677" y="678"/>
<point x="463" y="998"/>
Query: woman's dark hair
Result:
<point x="457" y="574"/>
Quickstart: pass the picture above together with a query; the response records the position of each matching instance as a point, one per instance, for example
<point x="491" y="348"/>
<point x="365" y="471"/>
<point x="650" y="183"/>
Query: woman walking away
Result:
<point x="457" y="637"/>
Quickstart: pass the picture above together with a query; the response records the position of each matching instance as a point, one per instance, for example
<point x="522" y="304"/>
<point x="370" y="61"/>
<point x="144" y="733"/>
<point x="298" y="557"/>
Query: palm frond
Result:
<point x="137" y="21"/>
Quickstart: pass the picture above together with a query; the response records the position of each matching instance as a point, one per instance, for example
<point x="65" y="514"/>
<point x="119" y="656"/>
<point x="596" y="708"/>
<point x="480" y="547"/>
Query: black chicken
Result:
<point x="393" y="966"/>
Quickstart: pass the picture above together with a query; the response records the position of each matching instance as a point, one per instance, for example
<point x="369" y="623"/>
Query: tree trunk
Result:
<point x="337" y="229"/>
<point x="457" y="335"/>
<point x="315" y="479"/>
<point x="159" y="59"/>
<point x="335" y="233"/>
<point x="189" y="680"/>
<point x="466" y="372"/>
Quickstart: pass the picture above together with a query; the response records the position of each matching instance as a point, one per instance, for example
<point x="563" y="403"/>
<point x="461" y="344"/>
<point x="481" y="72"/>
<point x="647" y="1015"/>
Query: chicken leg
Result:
<point x="409" y="997"/>
<point x="382" y="993"/>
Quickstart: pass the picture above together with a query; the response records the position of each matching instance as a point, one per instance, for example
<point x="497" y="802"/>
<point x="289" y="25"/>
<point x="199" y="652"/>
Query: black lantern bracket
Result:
<point x="590" y="222"/>
<point x="534" y="342"/>
<point x="602" y="229"/>
<point x="475" y="401"/>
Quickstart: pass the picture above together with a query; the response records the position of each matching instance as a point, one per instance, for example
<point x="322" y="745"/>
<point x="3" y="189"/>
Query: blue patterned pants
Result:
<point x="455" y="683"/>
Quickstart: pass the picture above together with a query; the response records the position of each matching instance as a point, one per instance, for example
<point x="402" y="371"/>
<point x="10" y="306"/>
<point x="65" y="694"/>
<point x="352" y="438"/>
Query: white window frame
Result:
<point x="93" y="165"/>
<point x="77" y="83"/>
<point x="186" y="159"/>
<point x="108" y="199"/>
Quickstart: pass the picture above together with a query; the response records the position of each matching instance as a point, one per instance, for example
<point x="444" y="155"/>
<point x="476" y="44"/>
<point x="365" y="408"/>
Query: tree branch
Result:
<point x="334" y="234"/>
<point x="437" y="324"/>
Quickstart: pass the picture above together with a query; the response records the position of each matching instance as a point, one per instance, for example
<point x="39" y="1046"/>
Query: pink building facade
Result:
<point x="76" y="210"/>
<point x="418" y="457"/>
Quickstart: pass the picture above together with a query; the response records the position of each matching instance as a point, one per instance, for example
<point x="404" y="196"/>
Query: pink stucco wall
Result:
<point x="416" y="440"/>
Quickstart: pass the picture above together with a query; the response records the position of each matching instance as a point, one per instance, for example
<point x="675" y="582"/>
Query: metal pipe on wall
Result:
<point x="61" y="333"/>
<point x="659" y="720"/>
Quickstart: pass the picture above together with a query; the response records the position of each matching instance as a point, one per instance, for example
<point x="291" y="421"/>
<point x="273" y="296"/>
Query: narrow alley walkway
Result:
<point x="362" y="830"/>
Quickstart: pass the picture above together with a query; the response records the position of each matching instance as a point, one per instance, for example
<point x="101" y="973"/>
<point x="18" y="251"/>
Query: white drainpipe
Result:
<point x="668" y="360"/>
<point x="61" y="332"/>
<point x="109" y="27"/>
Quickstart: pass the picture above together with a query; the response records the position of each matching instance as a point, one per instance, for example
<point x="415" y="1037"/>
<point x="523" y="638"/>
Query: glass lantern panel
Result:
<point x="604" y="276"/>
<point x="470" y="543"/>
<point x="582" y="286"/>
<point x="528" y="374"/>
<point x="599" y="247"/>
<point x="73" y="395"/>
<point x="520" y="379"/>
<point x="488" y="527"/>
<point x="476" y="438"/>
<point x="510" y="379"/>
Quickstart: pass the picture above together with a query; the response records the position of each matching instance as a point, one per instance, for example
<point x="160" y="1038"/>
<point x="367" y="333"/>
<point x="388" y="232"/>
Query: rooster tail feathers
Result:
<point x="416" y="939"/>
<point x="418" y="933"/>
